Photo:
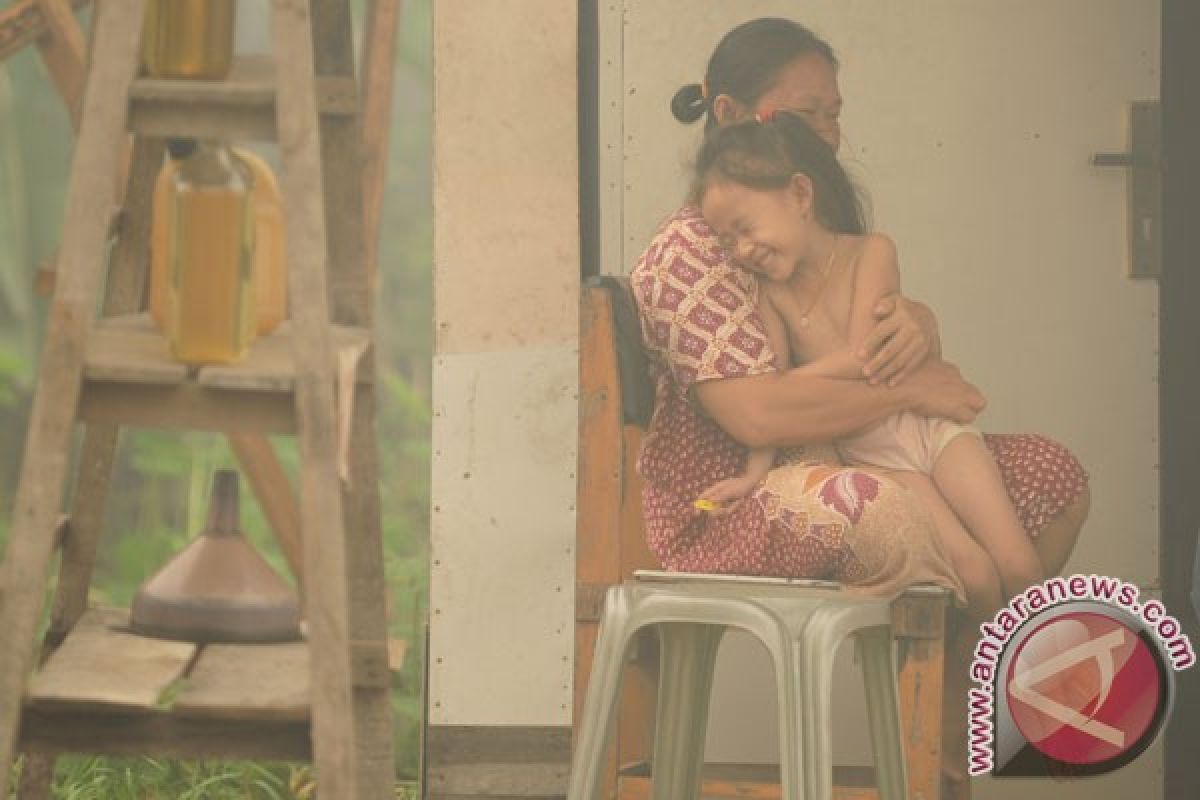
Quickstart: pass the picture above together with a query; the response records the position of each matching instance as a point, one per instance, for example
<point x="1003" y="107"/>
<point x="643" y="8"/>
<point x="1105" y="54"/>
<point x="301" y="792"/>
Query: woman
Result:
<point x="718" y="394"/>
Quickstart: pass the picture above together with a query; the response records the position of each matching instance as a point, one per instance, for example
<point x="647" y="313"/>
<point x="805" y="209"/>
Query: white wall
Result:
<point x="506" y="285"/>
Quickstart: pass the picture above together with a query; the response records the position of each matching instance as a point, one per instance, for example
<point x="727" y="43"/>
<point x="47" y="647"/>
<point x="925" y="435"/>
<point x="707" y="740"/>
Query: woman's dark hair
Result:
<point x="745" y="65"/>
<point x="765" y="155"/>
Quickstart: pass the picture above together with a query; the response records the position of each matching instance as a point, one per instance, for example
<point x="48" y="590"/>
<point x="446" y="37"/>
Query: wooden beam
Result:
<point x="350" y="296"/>
<point x="38" y="499"/>
<point x="919" y="625"/>
<point x="187" y="407"/>
<point x="335" y="744"/>
<point x="378" y="71"/>
<point x="274" y="492"/>
<point x="166" y="735"/>
<point x="598" y="497"/>
<point x="65" y="53"/>
<point x="22" y="23"/>
<point x="122" y="294"/>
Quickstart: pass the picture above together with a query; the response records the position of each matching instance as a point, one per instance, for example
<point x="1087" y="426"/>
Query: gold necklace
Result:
<point x="820" y="289"/>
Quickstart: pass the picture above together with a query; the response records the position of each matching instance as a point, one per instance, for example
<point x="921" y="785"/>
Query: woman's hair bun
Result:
<point x="688" y="104"/>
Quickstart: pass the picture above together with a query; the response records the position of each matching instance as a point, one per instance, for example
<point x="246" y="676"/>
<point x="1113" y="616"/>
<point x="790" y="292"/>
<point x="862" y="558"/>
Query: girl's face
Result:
<point x="763" y="231"/>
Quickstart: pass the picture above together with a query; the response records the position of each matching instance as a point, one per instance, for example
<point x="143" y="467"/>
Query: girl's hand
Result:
<point x="722" y="496"/>
<point x="904" y="337"/>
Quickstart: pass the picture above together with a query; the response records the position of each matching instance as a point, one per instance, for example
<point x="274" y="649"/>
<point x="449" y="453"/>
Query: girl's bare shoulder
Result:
<point x="876" y="245"/>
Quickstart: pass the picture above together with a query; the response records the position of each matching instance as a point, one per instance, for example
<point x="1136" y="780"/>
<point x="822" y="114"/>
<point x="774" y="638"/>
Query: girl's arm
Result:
<point x="875" y="277"/>
<point x="903" y="335"/>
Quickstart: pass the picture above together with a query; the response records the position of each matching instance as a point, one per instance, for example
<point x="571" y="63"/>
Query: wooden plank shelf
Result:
<point x="267" y="681"/>
<point x="130" y="349"/>
<point x="240" y="107"/>
<point x="101" y="663"/>
<point x="131" y="379"/>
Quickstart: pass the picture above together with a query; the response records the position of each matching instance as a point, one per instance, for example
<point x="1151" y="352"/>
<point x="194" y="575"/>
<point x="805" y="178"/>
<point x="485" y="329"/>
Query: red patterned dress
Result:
<point x="808" y="518"/>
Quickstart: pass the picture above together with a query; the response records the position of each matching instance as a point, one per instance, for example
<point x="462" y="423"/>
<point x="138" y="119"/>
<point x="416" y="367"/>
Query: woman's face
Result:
<point x="808" y="86"/>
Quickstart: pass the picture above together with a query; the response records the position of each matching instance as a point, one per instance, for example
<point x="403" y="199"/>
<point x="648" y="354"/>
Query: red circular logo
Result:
<point x="1084" y="688"/>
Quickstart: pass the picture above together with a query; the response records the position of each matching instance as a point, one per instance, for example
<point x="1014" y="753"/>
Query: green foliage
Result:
<point x="95" y="778"/>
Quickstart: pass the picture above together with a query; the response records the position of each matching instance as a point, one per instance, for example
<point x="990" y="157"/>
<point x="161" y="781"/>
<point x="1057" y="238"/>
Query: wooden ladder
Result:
<point x="102" y="689"/>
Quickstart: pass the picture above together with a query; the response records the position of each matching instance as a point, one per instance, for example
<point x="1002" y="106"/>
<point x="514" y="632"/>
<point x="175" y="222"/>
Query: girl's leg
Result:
<point x="966" y="475"/>
<point x="970" y="560"/>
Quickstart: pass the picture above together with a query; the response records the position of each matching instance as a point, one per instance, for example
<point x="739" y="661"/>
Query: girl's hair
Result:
<point x="764" y="155"/>
<point x="745" y="65"/>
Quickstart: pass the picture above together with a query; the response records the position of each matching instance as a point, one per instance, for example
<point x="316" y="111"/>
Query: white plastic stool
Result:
<point x="801" y="624"/>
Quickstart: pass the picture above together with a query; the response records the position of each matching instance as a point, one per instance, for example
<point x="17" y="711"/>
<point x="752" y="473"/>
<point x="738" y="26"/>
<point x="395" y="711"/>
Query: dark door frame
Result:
<point x="1179" y="372"/>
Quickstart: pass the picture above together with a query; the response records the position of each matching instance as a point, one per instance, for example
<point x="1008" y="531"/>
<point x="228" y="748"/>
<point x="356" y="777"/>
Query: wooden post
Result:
<point x="327" y="600"/>
<point x="378" y="71"/>
<point x="351" y="293"/>
<point x="40" y="488"/>
<point x="919" y="624"/>
<point x="598" y="507"/>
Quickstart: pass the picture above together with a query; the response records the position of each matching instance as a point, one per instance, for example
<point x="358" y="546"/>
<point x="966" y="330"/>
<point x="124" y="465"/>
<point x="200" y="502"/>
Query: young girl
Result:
<point x="782" y="204"/>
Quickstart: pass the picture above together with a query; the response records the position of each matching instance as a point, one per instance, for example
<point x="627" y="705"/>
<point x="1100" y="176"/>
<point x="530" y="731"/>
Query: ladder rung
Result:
<point x="142" y="733"/>
<point x="130" y="349"/>
<point x="240" y="107"/>
<point x="131" y="379"/>
<point x="187" y="406"/>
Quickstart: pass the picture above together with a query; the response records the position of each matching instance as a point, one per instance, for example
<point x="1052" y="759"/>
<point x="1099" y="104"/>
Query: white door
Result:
<point x="971" y="124"/>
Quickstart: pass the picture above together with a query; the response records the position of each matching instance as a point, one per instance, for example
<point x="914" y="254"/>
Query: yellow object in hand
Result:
<point x="706" y="505"/>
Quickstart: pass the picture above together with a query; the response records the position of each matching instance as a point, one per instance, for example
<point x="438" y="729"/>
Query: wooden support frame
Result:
<point x="346" y="725"/>
<point x="52" y="25"/>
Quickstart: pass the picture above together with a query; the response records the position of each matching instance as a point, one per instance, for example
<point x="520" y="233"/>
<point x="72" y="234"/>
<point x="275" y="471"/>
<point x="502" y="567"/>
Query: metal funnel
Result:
<point x="218" y="588"/>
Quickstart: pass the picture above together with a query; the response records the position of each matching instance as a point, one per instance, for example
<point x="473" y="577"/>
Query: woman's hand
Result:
<point x="905" y="336"/>
<point x="937" y="389"/>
